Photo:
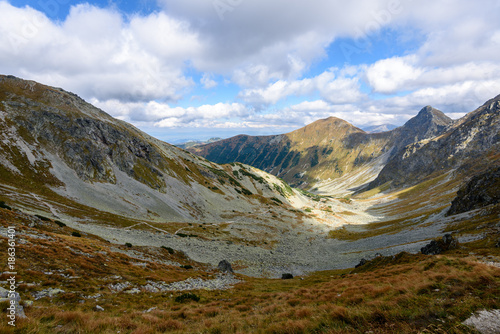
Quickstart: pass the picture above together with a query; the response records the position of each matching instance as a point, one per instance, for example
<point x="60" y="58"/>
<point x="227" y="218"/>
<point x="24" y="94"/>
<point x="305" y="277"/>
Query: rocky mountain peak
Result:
<point x="428" y="116"/>
<point x="428" y="123"/>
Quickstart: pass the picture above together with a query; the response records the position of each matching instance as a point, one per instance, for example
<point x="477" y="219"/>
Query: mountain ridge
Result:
<point x="323" y="150"/>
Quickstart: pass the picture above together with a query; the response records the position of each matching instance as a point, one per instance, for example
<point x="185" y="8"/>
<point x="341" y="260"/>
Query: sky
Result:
<point x="196" y="69"/>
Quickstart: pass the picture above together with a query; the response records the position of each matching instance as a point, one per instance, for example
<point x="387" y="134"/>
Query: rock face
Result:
<point x="225" y="266"/>
<point x="325" y="149"/>
<point x="468" y="145"/>
<point x="447" y="242"/>
<point x="480" y="191"/>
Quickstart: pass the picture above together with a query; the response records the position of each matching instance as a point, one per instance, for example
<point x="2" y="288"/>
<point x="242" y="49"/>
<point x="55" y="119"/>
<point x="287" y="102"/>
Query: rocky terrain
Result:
<point x="65" y="159"/>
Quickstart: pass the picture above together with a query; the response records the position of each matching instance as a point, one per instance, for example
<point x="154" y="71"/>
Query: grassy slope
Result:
<point x="421" y="205"/>
<point x="405" y="293"/>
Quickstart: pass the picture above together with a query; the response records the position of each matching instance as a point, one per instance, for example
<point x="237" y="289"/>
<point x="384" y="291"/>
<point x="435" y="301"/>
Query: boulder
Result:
<point x="447" y="242"/>
<point x="225" y="266"/>
<point x="361" y="263"/>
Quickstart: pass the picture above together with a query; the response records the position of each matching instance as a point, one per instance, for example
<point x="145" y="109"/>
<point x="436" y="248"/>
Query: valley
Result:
<point x="98" y="204"/>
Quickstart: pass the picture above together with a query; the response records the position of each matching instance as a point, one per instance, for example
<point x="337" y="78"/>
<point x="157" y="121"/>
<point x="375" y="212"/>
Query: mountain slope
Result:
<point x="53" y="143"/>
<point x="469" y="145"/>
<point x="326" y="149"/>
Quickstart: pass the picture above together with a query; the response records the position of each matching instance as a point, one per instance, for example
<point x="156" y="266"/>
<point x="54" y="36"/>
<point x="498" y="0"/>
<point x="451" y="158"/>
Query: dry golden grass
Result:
<point x="405" y="294"/>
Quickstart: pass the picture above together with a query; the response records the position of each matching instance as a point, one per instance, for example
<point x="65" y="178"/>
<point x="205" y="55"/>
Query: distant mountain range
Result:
<point x="379" y="128"/>
<point x="185" y="144"/>
<point x="326" y="149"/>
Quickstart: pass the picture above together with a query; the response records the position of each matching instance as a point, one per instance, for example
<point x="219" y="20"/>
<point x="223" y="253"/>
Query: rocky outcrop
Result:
<point x="485" y="322"/>
<point x="447" y="242"/>
<point x="362" y="262"/>
<point x="225" y="267"/>
<point x="482" y="190"/>
<point x="14" y="300"/>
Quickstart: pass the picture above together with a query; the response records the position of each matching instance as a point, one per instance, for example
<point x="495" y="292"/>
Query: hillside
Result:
<point x="190" y="143"/>
<point x="325" y="150"/>
<point x="54" y="143"/>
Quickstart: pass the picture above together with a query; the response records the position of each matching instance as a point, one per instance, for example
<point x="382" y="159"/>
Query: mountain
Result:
<point x="53" y="143"/>
<point x="324" y="150"/>
<point x="190" y="143"/>
<point x="379" y="128"/>
<point x="467" y="146"/>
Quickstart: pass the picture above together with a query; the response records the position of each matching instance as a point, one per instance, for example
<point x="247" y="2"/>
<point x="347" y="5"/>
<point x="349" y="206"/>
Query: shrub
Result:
<point x="245" y="191"/>
<point x="43" y="218"/>
<point x="185" y="297"/>
<point x="128" y="244"/>
<point x="276" y="200"/>
<point x="182" y="235"/>
<point x="76" y="234"/>
<point x="187" y="266"/>
<point x="60" y="223"/>
<point x="4" y="206"/>
<point x="168" y="249"/>
<point x="308" y="210"/>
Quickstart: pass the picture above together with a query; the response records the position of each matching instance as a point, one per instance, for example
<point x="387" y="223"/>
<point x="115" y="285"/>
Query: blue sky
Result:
<point x="196" y="69"/>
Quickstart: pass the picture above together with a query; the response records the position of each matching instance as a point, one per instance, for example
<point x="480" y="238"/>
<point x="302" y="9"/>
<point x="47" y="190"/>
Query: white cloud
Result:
<point x="390" y="75"/>
<point x="208" y="82"/>
<point x="96" y="53"/>
<point x="138" y="66"/>
<point x="163" y="115"/>
<point x="334" y="88"/>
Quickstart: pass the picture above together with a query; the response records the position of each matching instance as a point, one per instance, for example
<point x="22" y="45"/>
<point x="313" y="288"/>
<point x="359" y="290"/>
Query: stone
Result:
<point x="486" y="322"/>
<point x="99" y="308"/>
<point x="447" y="242"/>
<point x="225" y="266"/>
<point x="286" y="276"/>
<point x="3" y="292"/>
<point x="133" y="291"/>
<point x="362" y="262"/>
<point x="150" y="288"/>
